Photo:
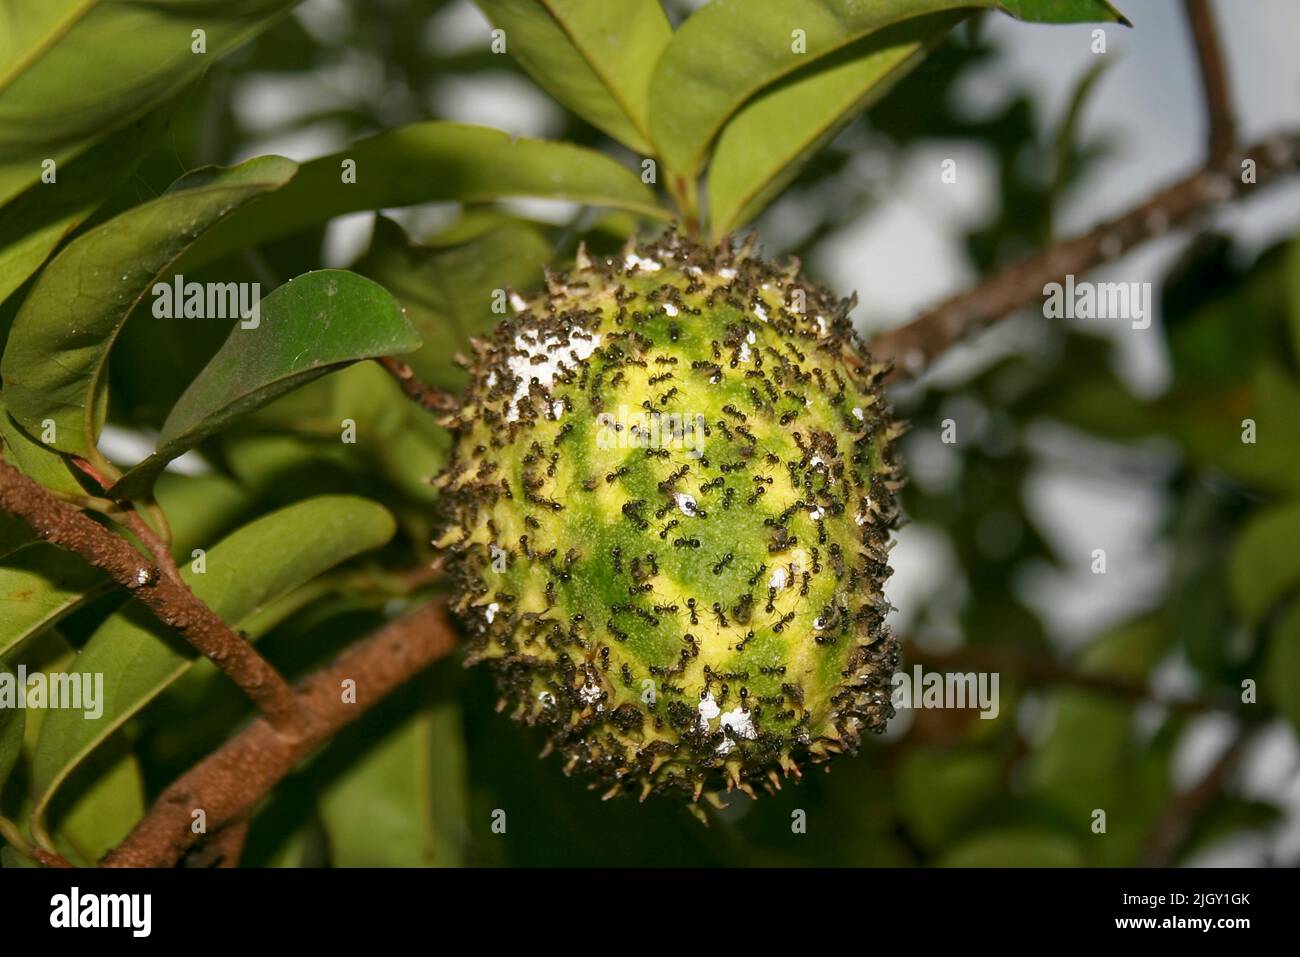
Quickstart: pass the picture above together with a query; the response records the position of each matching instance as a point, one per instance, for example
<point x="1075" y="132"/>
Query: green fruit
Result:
<point x="669" y="506"/>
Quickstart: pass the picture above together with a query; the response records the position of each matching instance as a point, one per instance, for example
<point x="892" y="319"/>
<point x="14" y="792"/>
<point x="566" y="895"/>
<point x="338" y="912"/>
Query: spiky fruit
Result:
<point x="669" y="504"/>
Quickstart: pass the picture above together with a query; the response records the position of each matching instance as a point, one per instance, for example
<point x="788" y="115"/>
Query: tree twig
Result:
<point x="1222" y="132"/>
<point x="230" y="783"/>
<point x="435" y="400"/>
<point x="49" y="858"/>
<point x="151" y="540"/>
<point x="910" y="347"/>
<point x="1170" y="831"/>
<point x="125" y="512"/>
<point x="1046" y="670"/>
<point x="169" y="599"/>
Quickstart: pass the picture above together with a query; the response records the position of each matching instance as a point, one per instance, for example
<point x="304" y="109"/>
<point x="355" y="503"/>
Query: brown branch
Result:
<point x="1171" y="829"/>
<point x="1222" y="132"/>
<point x="1042" y="669"/>
<point x="49" y="858"/>
<point x="230" y="783"/>
<point x="170" y="601"/>
<point x="223" y="848"/>
<point x="435" y="400"/>
<point x="910" y="347"/>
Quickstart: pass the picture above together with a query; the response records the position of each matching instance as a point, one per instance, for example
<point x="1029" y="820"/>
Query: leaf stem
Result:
<point x="15" y="838"/>
<point x="684" y="192"/>
<point x="434" y="400"/>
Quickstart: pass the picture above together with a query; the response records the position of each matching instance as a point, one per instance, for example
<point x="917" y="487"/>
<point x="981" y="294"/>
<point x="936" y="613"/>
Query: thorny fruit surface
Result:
<point x="668" y="515"/>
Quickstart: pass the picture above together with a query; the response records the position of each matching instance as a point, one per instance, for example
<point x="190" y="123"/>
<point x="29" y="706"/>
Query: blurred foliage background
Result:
<point x="1106" y="722"/>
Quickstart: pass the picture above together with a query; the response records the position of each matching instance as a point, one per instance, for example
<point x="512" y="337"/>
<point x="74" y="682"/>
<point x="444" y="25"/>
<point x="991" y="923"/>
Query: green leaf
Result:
<point x="248" y="570"/>
<point x="938" y="790"/>
<point x="1292" y="281"/>
<point x="39" y="584"/>
<point x="1230" y="818"/>
<point x="14" y="534"/>
<point x="55" y="359"/>
<point x="301" y="846"/>
<point x="75" y="71"/>
<point x="1066" y="150"/>
<point x="12" y="721"/>
<point x="312" y="325"/>
<point x="594" y="56"/>
<point x="271" y="463"/>
<point x="448" y="286"/>
<point x="729" y="50"/>
<point x="1063" y="11"/>
<point x="430" y="162"/>
<point x="1282" y="667"/>
<point x="34" y="223"/>
<point x="403" y="441"/>
<point x="1227" y="320"/>
<point x="102" y="803"/>
<point x="1215" y="426"/>
<point x="1266" y="560"/>
<point x="200" y="509"/>
<point x="765" y="143"/>
<point x="33" y="459"/>
<point x="1091" y="757"/>
<point x="106" y="797"/>
<point x="1103" y="405"/>
<point x="1015" y="847"/>
<point x="401" y="802"/>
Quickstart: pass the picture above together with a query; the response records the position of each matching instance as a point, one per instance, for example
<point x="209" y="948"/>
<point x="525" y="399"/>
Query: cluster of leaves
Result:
<point x="309" y="542"/>
<point x="1226" y="617"/>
